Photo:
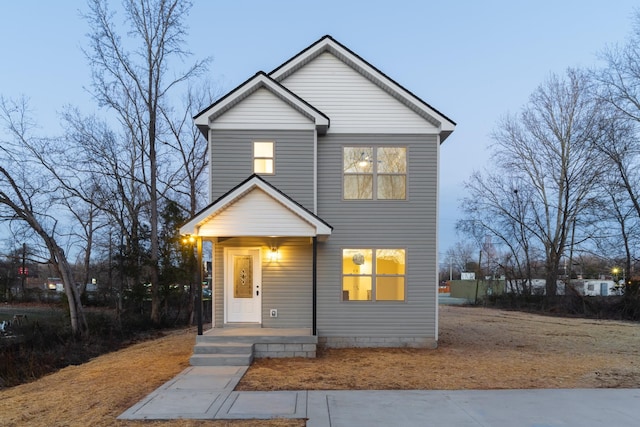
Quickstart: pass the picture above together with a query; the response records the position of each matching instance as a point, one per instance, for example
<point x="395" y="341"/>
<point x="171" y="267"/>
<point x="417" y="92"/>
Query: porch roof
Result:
<point x="256" y="208"/>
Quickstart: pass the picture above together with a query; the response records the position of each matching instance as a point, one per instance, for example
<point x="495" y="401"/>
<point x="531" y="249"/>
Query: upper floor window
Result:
<point x="374" y="173"/>
<point x="263" y="157"/>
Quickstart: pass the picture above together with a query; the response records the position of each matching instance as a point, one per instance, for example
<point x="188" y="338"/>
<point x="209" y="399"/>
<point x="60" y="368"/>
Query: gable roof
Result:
<point x="286" y="210"/>
<point x="329" y="44"/>
<point x="258" y="81"/>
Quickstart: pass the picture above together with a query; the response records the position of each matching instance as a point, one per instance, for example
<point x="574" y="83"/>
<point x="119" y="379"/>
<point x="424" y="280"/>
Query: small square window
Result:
<point x="263" y="157"/>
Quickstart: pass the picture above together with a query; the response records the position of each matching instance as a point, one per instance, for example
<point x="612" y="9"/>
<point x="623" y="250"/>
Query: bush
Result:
<point x="39" y="347"/>
<point x="611" y="307"/>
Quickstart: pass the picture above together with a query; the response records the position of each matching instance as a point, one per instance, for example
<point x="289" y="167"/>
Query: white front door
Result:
<point x="243" y="279"/>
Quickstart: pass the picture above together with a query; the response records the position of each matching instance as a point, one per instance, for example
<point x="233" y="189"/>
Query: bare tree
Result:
<point x="460" y="256"/>
<point x="132" y="80"/>
<point x="188" y="147"/>
<point x="616" y="222"/>
<point x="548" y="148"/>
<point x="90" y="220"/>
<point x="620" y="90"/>
<point x="498" y="205"/>
<point x="108" y="178"/>
<point x="29" y="194"/>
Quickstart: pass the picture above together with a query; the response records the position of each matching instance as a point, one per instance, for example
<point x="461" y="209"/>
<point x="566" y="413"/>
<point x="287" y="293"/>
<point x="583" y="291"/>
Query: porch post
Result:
<point x="315" y="284"/>
<point x="199" y="286"/>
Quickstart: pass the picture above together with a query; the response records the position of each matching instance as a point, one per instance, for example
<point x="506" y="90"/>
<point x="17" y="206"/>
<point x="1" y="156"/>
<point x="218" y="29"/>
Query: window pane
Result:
<point x="392" y="187"/>
<point x="356" y="288"/>
<point x="263" y="149"/>
<point x="390" y="261"/>
<point x="389" y="288"/>
<point x="357" y="160"/>
<point x="392" y="159"/>
<point x="358" y="187"/>
<point x="357" y="261"/>
<point x="263" y="165"/>
<point x="242" y="276"/>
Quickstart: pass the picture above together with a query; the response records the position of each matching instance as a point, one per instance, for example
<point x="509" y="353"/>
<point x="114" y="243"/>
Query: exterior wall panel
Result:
<point x="409" y="224"/>
<point x="231" y="158"/>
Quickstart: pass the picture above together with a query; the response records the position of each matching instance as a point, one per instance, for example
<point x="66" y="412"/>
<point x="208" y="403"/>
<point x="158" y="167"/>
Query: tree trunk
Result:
<point x="79" y="326"/>
<point x="551" y="279"/>
<point x="153" y="198"/>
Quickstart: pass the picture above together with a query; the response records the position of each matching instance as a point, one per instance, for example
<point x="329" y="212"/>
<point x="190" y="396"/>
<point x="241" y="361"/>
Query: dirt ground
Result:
<point x="479" y="349"/>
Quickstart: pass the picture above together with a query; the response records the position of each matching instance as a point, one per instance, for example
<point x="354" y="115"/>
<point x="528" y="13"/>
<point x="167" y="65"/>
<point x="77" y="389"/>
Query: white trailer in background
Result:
<point x="598" y="288"/>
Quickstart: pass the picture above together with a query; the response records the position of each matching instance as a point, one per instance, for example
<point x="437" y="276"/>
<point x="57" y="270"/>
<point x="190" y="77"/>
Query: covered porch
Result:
<point x="263" y="284"/>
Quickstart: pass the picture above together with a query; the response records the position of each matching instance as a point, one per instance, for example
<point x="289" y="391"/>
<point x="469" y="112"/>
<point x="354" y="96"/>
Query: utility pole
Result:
<point x="479" y="272"/>
<point x="23" y="271"/>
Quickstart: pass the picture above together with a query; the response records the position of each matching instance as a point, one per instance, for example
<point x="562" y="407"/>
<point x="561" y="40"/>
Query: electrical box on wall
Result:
<point x="273" y="312"/>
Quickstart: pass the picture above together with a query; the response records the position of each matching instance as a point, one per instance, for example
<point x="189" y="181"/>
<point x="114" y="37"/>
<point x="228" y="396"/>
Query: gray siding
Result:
<point x="286" y="284"/>
<point x="232" y="161"/>
<point x="409" y="224"/>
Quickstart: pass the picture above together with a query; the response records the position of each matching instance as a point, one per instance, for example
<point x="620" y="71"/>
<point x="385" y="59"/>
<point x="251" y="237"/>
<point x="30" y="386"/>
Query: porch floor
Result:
<point x="255" y="331"/>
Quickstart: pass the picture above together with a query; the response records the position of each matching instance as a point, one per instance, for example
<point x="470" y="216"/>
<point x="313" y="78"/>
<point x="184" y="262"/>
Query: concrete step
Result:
<point x="223" y="348"/>
<point x="218" y="359"/>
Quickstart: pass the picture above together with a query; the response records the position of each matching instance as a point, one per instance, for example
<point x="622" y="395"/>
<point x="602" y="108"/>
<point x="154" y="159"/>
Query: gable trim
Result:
<point x="329" y="44"/>
<point x="258" y="81"/>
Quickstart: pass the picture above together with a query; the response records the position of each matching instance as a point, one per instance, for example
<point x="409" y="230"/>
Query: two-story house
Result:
<point x="324" y="182"/>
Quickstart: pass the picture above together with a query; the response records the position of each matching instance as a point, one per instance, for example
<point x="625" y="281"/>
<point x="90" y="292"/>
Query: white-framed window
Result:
<point x="264" y="157"/>
<point x="373" y="274"/>
<point x="374" y="173"/>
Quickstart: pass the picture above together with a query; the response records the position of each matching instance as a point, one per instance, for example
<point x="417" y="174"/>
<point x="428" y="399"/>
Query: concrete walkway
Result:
<point x="207" y="393"/>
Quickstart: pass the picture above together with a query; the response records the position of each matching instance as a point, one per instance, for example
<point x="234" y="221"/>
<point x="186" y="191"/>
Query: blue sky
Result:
<point x="472" y="60"/>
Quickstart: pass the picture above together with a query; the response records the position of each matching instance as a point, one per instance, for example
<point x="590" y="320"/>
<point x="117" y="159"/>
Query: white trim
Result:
<point x="209" y="161"/>
<point x="213" y="284"/>
<point x="327" y="44"/>
<point x="385" y="130"/>
<point x="272" y="158"/>
<point x="205" y="119"/>
<point x="260" y="126"/>
<point x="315" y="173"/>
<point x="257" y="285"/>
<point x="437" y="290"/>
<point x="192" y="227"/>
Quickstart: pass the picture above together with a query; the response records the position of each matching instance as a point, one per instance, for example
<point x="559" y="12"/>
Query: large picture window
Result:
<point x="373" y="274"/>
<point x="374" y="173"/>
<point x="263" y="157"/>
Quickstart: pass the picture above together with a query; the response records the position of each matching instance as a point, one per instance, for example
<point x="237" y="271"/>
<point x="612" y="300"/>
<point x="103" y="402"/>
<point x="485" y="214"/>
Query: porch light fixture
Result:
<point x="273" y="255"/>
<point x="188" y="239"/>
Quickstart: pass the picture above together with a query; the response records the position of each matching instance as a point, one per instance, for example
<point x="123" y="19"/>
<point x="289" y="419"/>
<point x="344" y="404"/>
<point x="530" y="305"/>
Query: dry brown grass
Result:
<point x="479" y="349"/>
<point x="95" y="393"/>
